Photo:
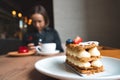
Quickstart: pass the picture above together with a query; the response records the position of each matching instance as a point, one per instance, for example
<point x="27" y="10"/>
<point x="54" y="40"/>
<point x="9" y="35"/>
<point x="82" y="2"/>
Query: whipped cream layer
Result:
<point x="81" y="54"/>
<point x="84" y="53"/>
<point x="94" y="51"/>
<point x="78" y="63"/>
<point x="89" y="43"/>
<point x="97" y="63"/>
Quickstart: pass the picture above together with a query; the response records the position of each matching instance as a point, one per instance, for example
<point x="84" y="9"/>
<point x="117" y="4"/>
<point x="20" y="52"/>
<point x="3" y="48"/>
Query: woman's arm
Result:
<point x="58" y="41"/>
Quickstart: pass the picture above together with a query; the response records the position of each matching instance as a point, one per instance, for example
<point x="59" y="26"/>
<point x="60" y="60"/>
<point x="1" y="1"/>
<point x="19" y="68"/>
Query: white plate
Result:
<point x="49" y="53"/>
<point x="55" y="67"/>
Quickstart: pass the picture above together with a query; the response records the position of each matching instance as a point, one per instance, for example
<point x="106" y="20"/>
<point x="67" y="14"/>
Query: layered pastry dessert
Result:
<point x="83" y="56"/>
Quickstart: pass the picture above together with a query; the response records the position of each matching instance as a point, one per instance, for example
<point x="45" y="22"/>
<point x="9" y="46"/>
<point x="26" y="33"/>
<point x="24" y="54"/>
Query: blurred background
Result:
<point x="97" y="20"/>
<point x="14" y="21"/>
<point x="15" y="16"/>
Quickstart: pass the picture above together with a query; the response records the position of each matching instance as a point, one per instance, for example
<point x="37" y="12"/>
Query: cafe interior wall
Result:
<point x="90" y="19"/>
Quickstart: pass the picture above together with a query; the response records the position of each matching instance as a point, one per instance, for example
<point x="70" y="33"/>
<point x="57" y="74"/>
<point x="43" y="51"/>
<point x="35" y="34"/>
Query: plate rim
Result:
<point x="64" y="77"/>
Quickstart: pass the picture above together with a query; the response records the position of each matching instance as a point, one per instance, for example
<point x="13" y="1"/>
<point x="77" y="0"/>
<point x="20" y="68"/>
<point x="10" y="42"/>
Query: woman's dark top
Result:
<point x="48" y="35"/>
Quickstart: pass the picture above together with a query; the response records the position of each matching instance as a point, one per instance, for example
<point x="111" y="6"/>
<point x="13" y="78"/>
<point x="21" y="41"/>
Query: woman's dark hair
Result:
<point x="40" y="10"/>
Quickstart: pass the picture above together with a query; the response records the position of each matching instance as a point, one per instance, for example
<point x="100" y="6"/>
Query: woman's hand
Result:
<point x="31" y="46"/>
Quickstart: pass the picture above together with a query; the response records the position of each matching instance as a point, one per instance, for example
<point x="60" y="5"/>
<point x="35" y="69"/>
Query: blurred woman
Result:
<point x="39" y="31"/>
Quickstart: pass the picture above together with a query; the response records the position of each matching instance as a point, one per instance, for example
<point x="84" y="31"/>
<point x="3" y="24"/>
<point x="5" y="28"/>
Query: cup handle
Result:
<point x="38" y="49"/>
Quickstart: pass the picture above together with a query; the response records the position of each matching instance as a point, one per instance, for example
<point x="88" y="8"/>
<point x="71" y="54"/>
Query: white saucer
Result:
<point x="49" y="53"/>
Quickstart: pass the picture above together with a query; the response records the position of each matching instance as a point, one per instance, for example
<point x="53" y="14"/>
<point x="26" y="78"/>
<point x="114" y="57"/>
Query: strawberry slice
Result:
<point x="77" y="40"/>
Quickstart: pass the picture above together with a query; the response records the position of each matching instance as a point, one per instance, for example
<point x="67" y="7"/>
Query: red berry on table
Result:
<point x="23" y="49"/>
<point x="77" y="40"/>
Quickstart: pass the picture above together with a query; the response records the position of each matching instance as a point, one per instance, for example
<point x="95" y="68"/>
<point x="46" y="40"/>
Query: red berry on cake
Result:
<point x="77" y="40"/>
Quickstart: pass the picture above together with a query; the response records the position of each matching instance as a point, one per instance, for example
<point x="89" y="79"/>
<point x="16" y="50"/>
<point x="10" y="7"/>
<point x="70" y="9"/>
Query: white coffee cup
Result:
<point x="46" y="48"/>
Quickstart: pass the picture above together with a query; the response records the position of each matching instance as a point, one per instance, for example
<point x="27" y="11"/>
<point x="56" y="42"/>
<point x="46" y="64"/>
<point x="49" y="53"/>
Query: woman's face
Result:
<point x="38" y="21"/>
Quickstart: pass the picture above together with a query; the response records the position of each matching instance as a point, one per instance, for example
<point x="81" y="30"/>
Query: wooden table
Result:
<point x="22" y="68"/>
